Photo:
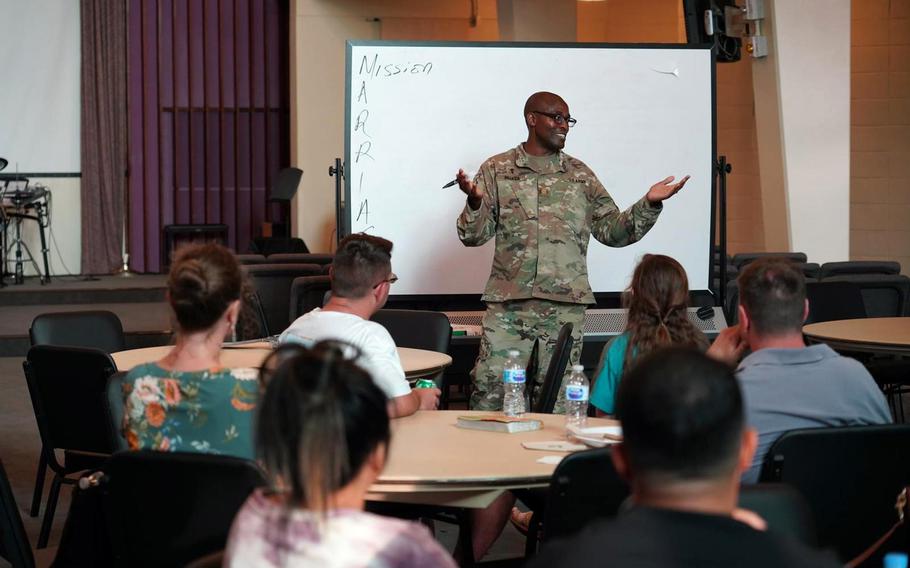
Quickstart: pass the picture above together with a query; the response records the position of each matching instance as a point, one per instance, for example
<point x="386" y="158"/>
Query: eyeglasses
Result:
<point x="391" y="280"/>
<point x="558" y="118"/>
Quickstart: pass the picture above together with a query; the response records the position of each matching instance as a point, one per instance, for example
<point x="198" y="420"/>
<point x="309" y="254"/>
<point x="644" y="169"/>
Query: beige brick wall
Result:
<point x="880" y="131"/>
<point x="661" y="21"/>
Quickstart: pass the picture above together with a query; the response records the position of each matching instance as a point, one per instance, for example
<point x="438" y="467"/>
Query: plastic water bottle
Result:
<point x="576" y="399"/>
<point x="513" y="386"/>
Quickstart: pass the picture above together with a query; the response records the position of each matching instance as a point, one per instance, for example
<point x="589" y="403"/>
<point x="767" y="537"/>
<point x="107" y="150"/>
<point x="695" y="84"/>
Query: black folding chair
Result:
<point x="14" y="545"/>
<point x="742" y="259"/>
<point x="850" y="477"/>
<point x="552" y="380"/>
<point x="301" y="258"/>
<point x="99" y="329"/>
<point x="308" y="293"/>
<point x="585" y="486"/>
<point x="168" y="509"/>
<point x="859" y="267"/>
<point x="830" y="301"/>
<point x="419" y="329"/>
<point x="68" y="386"/>
<point x="783" y="508"/>
<point x="273" y="284"/>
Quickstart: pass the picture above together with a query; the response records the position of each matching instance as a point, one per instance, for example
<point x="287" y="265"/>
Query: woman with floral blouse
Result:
<point x="188" y="401"/>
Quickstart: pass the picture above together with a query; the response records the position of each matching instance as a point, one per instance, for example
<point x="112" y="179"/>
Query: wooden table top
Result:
<point x="874" y="335"/>
<point x="416" y="362"/>
<point x="433" y="461"/>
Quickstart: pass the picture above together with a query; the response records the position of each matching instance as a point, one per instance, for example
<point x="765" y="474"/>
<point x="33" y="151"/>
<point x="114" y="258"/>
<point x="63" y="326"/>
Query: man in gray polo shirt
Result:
<point x="785" y="384"/>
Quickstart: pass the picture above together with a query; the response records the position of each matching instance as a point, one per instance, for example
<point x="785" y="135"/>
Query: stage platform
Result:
<point x="139" y="301"/>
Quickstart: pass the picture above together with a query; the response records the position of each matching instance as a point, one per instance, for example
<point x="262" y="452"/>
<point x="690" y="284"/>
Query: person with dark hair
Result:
<point x="657" y="301"/>
<point x="786" y="384"/>
<point x="187" y="401"/>
<point x="541" y="206"/>
<point x="685" y="443"/>
<point x="322" y="435"/>
<point x="361" y="279"/>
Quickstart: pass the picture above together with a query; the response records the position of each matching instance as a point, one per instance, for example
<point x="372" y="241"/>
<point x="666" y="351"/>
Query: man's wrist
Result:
<point x="474" y="203"/>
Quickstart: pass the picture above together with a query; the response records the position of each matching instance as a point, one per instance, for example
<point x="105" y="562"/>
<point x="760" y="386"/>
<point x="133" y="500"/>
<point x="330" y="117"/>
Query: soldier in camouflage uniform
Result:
<point x="542" y="205"/>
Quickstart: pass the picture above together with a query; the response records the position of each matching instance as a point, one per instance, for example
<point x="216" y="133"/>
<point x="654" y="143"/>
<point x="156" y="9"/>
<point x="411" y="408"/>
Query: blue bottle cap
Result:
<point x="895" y="560"/>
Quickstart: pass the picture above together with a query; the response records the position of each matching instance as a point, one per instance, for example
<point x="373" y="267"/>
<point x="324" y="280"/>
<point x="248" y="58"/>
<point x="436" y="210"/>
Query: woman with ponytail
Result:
<point x="187" y="401"/>
<point x="322" y="435"/>
<point x="657" y="302"/>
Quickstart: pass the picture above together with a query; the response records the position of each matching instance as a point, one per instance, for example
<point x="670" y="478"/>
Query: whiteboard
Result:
<point x="39" y="86"/>
<point x="417" y="112"/>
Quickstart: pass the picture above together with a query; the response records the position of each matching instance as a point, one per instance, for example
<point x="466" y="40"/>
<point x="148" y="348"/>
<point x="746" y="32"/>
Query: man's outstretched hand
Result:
<point x="665" y="188"/>
<point x="475" y="196"/>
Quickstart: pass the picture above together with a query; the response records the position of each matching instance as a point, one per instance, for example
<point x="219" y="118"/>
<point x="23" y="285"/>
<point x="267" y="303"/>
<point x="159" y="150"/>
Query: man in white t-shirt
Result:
<point x="361" y="278"/>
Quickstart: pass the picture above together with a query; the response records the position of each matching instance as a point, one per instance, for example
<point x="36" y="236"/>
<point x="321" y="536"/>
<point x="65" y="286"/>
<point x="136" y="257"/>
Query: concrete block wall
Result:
<point x="880" y="131"/>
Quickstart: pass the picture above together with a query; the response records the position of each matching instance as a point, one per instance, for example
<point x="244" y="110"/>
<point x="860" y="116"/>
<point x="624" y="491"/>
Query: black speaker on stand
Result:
<point x="706" y="23"/>
<point x="283" y="191"/>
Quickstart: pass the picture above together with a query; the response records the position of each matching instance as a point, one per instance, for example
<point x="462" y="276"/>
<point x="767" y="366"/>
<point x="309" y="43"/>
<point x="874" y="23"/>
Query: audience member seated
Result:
<point x="684" y="446"/>
<point x="787" y="385"/>
<point x="322" y="435"/>
<point x="657" y="300"/>
<point x="187" y="401"/>
<point x="361" y="278"/>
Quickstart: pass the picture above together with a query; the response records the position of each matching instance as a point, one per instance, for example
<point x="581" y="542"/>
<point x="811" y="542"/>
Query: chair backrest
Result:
<point x="251" y="259"/>
<point x="252" y="322"/>
<point x="585" y="486"/>
<point x="744" y="258"/>
<point x="834" y="301"/>
<point x="286" y="183"/>
<point x="883" y="295"/>
<point x="114" y="404"/>
<point x="68" y="387"/>
<point x="731" y="302"/>
<point x="552" y="380"/>
<point x="811" y="270"/>
<point x="168" y="509"/>
<point x="301" y="258"/>
<point x="273" y="284"/>
<point x="853" y="267"/>
<point x="99" y="329"/>
<point x="417" y="329"/>
<point x="850" y="476"/>
<point x="277" y="245"/>
<point x="783" y="508"/>
<point x="532" y="370"/>
<point x="14" y="545"/>
<point x="308" y="293"/>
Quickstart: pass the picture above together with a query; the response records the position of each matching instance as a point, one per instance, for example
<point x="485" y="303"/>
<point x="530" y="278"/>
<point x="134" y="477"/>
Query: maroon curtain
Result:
<point x="103" y="133"/>
<point x="209" y="117"/>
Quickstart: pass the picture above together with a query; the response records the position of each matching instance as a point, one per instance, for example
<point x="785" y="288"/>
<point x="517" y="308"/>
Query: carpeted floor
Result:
<point x="19" y="448"/>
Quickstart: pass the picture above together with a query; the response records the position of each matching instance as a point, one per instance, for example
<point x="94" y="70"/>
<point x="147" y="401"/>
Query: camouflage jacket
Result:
<point x="542" y="221"/>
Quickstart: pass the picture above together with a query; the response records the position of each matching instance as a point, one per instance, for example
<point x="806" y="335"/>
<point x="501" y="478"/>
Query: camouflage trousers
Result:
<point x="516" y="324"/>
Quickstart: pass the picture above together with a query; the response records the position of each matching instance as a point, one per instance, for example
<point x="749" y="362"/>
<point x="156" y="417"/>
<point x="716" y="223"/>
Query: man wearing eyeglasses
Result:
<point x="361" y="278"/>
<point x="542" y="206"/>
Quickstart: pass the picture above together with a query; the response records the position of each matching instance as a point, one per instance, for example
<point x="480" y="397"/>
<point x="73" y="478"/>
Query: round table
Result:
<point x="889" y="336"/>
<point x="432" y="461"/>
<point x="416" y="362"/>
